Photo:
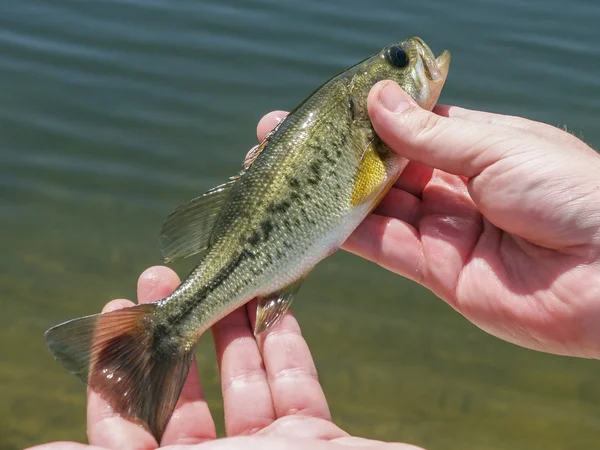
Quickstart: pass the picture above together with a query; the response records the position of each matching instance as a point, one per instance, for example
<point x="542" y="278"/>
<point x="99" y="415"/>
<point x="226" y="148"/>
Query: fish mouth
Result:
<point x="436" y="69"/>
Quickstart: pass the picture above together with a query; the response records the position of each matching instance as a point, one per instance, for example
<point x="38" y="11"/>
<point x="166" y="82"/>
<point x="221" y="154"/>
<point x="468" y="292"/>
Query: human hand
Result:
<point x="505" y="228"/>
<point x="271" y="395"/>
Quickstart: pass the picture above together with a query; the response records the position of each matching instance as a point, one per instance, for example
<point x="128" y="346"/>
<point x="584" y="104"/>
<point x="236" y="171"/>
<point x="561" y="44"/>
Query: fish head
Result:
<point x="411" y="64"/>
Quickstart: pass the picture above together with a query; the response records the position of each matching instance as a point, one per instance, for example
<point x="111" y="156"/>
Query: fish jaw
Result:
<point x="430" y="72"/>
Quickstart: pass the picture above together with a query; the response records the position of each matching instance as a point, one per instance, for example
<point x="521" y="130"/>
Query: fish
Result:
<point x="299" y="196"/>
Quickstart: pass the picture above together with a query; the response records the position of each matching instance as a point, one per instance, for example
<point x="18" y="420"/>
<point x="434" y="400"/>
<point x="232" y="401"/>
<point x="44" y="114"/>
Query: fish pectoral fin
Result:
<point x="272" y="308"/>
<point x="371" y="175"/>
<point x="187" y="230"/>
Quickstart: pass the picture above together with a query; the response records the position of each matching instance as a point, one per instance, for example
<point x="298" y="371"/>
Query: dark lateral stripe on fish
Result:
<point x="215" y="282"/>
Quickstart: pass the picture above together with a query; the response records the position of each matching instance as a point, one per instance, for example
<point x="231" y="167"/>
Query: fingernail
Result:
<point x="393" y="98"/>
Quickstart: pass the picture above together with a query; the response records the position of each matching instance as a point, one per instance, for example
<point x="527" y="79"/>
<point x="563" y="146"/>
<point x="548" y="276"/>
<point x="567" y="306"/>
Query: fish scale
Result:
<point x="302" y="192"/>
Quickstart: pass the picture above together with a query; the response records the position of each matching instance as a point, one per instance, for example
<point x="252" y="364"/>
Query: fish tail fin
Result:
<point x="132" y="362"/>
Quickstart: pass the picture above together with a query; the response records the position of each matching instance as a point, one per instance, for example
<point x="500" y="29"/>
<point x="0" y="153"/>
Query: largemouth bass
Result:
<point x="301" y="193"/>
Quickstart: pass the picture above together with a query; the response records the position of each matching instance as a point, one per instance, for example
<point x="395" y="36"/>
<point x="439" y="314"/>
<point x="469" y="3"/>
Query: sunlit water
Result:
<point x="114" y="112"/>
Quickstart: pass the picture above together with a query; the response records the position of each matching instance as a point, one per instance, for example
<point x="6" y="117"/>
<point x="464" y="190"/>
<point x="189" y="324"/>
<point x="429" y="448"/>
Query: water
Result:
<point x="113" y="112"/>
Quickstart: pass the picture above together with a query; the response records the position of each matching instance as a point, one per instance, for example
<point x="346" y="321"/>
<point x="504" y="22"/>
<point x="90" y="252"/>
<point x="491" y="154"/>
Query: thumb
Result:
<point x="452" y="144"/>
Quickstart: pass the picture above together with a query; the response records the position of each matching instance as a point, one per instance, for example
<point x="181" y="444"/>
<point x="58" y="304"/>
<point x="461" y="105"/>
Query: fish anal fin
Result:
<point x="139" y="372"/>
<point x="187" y="230"/>
<point x="272" y="308"/>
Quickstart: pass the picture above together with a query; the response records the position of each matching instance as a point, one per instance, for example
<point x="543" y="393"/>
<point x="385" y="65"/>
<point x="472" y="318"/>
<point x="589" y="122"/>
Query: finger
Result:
<point x="191" y="421"/>
<point x="155" y="283"/>
<point x="246" y="395"/>
<point x="268" y="122"/>
<point x="484" y="117"/>
<point x="65" y="446"/>
<point x="390" y="243"/>
<point x="401" y="205"/>
<point x="287" y="443"/>
<point x="105" y="427"/>
<point x="291" y="370"/>
<point x="543" y="130"/>
<point x="452" y="144"/>
<point x="359" y="443"/>
<point x="414" y="178"/>
<point x="303" y="427"/>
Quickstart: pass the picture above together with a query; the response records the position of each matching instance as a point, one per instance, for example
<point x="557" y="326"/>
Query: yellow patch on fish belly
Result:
<point x="370" y="176"/>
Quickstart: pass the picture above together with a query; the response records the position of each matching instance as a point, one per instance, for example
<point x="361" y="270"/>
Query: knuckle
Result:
<point x="299" y="372"/>
<point x="244" y="379"/>
<point x="427" y="126"/>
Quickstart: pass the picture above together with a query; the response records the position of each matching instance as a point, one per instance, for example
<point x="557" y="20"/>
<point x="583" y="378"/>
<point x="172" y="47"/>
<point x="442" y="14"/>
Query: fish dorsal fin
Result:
<point x="187" y="230"/>
<point x="271" y="309"/>
<point x="256" y="151"/>
<point x="253" y="154"/>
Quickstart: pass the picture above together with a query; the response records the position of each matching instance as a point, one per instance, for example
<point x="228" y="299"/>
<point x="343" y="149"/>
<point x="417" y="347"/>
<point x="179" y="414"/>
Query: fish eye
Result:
<point x="397" y="57"/>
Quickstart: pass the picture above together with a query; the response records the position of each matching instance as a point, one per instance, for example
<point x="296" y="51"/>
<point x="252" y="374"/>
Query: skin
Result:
<point x="506" y="229"/>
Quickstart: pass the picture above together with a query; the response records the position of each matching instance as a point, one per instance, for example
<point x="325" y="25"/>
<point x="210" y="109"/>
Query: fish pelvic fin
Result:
<point x="271" y="309"/>
<point x="128" y="359"/>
